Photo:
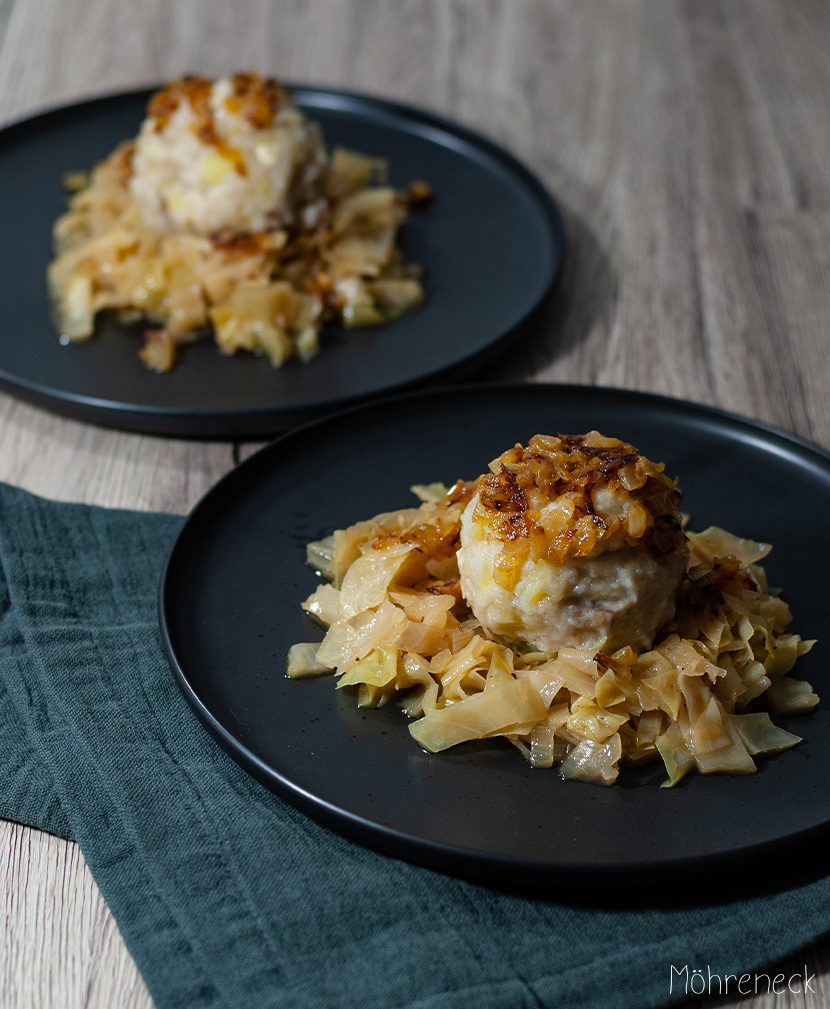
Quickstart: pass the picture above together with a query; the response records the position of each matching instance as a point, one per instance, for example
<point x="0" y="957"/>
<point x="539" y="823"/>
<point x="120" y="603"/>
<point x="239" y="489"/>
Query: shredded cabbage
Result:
<point x="303" y="661"/>
<point x="398" y="629"/>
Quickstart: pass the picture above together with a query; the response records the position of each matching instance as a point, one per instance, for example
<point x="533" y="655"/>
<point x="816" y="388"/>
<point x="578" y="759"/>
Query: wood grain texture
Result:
<point x="687" y="142"/>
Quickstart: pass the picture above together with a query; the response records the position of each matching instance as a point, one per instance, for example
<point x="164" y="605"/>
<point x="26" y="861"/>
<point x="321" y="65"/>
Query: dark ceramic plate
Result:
<point x="491" y="243"/>
<point x="234" y="580"/>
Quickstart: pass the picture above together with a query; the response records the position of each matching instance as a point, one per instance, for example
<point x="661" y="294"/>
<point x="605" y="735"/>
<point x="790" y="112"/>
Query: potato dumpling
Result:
<point x="575" y="541"/>
<point x="231" y="155"/>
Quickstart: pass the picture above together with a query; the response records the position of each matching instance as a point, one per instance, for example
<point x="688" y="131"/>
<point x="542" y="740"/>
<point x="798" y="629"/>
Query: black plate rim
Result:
<point x="455" y="859"/>
<point x="258" y="422"/>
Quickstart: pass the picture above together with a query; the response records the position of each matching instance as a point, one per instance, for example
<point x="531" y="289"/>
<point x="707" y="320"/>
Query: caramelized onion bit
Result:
<point x="610" y="487"/>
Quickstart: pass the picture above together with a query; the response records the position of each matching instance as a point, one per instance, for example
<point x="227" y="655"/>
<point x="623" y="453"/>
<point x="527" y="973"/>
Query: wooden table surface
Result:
<point x="688" y="145"/>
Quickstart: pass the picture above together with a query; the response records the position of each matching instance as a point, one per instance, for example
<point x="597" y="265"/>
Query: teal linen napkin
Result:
<point x="228" y="897"/>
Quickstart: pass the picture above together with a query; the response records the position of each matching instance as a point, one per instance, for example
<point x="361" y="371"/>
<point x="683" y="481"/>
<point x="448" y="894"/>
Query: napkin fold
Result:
<point x="228" y="897"/>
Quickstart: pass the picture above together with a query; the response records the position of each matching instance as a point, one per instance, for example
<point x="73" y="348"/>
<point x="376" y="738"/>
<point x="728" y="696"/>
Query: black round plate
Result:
<point x="491" y="243"/>
<point x="230" y="609"/>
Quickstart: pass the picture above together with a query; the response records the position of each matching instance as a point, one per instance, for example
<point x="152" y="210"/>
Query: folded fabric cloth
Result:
<point x="228" y="897"/>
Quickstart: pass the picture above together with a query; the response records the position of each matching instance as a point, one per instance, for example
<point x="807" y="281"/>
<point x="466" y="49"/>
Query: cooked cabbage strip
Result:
<point x="482" y="714"/>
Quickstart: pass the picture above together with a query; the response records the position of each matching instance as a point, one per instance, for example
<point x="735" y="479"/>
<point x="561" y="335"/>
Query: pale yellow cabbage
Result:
<point x="266" y="293"/>
<point x="483" y="714"/>
<point x="399" y="630"/>
<point x="303" y="661"/>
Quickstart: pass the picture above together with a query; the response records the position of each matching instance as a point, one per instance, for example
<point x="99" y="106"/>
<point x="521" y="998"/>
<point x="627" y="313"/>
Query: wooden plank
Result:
<point x="60" y="945"/>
